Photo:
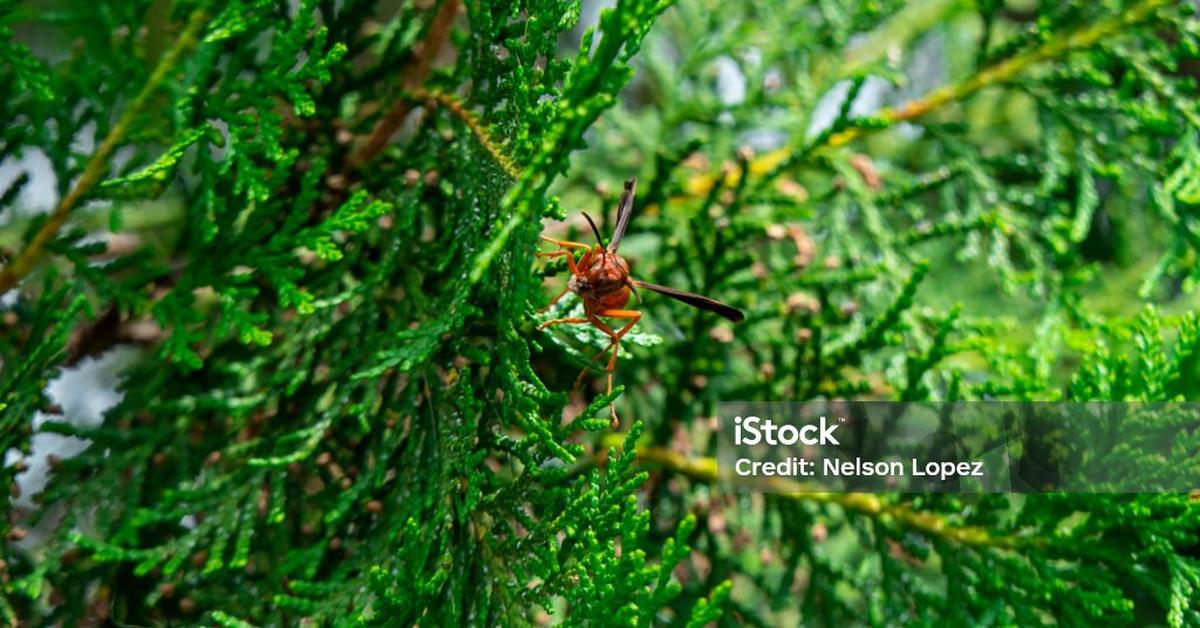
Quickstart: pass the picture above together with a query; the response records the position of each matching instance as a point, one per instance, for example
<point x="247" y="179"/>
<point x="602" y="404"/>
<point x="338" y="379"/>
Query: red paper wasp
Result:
<point x="601" y="278"/>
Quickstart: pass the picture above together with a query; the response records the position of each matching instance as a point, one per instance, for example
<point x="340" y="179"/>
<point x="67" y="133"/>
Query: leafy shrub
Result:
<point x="342" y="412"/>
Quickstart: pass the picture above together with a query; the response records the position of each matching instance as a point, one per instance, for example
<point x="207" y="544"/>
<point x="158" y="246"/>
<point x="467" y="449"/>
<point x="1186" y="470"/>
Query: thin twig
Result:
<point x="1008" y="69"/>
<point x="25" y="261"/>
<point x="771" y="164"/>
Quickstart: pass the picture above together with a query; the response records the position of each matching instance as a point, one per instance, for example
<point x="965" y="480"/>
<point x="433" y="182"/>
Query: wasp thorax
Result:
<point x="600" y="273"/>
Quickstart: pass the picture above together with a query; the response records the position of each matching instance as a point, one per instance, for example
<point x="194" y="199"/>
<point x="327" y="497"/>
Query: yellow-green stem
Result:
<point x="704" y="469"/>
<point x="98" y="163"/>
<point x="1000" y="73"/>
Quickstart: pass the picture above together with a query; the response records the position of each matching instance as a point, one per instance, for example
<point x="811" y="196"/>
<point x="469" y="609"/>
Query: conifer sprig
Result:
<point x="98" y="162"/>
<point x="311" y="229"/>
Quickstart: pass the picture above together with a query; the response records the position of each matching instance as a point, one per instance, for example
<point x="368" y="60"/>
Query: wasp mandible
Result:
<point x="601" y="279"/>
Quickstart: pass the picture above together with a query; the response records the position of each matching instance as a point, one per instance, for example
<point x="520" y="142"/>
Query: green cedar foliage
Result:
<point x="343" y="413"/>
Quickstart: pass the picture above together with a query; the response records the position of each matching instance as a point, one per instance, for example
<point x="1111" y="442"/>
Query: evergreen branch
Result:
<point x="704" y="469"/>
<point x="622" y="30"/>
<point x="774" y="163"/>
<point x="98" y="163"/>
<point x="1010" y="68"/>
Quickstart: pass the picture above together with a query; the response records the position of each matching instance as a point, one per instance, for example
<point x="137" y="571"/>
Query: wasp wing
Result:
<point x="696" y="301"/>
<point x="624" y="211"/>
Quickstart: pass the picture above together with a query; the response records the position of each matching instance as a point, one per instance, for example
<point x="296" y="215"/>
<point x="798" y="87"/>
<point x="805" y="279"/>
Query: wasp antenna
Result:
<point x="595" y="229"/>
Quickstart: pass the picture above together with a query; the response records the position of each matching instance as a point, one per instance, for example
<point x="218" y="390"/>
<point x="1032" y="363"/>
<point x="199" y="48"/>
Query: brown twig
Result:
<point x="96" y="337"/>
<point x="412" y="77"/>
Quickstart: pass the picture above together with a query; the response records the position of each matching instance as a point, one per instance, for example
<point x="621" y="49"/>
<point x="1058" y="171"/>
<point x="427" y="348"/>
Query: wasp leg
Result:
<point x="588" y="365"/>
<point x="570" y="266"/>
<point x="561" y="321"/>
<point x="566" y="244"/>
<point x="634" y="317"/>
<point x="603" y="327"/>
<point x="614" y="345"/>
<point x="566" y="254"/>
